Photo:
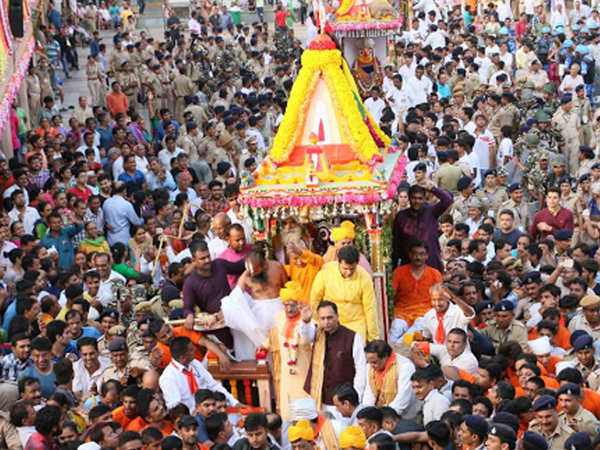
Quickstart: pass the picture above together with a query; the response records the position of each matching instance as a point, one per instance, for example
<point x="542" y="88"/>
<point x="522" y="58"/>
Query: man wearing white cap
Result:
<point x="306" y="409"/>
<point x="542" y="349"/>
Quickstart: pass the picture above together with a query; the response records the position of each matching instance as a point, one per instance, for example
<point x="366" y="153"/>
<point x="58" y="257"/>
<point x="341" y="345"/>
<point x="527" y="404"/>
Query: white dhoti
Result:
<point x="249" y="320"/>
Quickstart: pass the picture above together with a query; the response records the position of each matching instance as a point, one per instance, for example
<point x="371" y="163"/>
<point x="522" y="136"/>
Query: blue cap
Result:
<point x="533" y="441"/>
<point x="567" y="43"/>
<point x="566" y="98"/>
<point x="483" y="305"/>
<point x="569" y="389"/>
<point x="532" y="277"/>
<point x="514" y="187"/>
<point x="546" y="30"/>
<point x="578" y="441"/>
<point x="506" y="418"/>
<point x="503" y="31"/>
<point x="544" y="403"/>
<point x="575" y="334"/>
<point x="464" y="183"/>
<point x="582" y="49"/>
<point x="563" y="235"/>
<point x="585" y="30"/>
<point x="503" y="432"/>
<point x="583" y="342"/>
<point x="504" y="305"/>
<point x="593" y="26"/>
<point x="575" y="27"/>
<point x="476" y="424"/>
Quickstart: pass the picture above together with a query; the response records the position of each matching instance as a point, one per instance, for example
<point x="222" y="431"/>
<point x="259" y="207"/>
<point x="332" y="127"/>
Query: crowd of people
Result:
<point x="129" y="277"/>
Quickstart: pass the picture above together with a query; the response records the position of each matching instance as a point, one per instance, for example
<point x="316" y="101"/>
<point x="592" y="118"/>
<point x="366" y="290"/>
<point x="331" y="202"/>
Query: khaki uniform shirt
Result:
<point x="584" y="421"/>
<point x="521" y="213"/>
<point x="492" y="200"/>
<point x="182" y="85"/>
<point x="579" y="322"/>
<point x="556" y="440"/>
<point x="111" y="372"/>
<point x="516" y="331"/>
<point x="447" y="176"/>
<point x="460" y="208"/>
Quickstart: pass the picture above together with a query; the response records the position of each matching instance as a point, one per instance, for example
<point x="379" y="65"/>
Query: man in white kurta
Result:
<point x="290" y="353"/>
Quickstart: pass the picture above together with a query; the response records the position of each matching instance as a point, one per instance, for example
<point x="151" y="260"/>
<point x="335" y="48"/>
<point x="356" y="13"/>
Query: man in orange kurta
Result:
<point x="116" y="101"/>
<point x="411" y="284"/>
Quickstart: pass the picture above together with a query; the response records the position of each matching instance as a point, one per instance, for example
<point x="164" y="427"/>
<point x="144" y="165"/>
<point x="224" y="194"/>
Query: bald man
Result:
<point x="218" y="244"/>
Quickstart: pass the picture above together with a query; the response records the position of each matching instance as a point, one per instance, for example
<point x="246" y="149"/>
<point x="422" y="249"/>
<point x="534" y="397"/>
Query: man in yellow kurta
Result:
<point x="350" y="287"/>
<point x="343" y="236"/>
<point x="303" y="267"/>
<point x="290" y="354"/>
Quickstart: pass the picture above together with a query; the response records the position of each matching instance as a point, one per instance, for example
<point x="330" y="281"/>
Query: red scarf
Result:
<point x="440" y="333"/>
<point x="192" y="383"/>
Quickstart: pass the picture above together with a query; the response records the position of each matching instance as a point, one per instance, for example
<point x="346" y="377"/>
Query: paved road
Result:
<point x="152" y="22"/>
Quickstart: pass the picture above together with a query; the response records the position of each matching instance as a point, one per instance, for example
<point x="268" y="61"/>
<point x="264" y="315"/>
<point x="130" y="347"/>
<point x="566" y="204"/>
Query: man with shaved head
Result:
<point x="218" y="244"/>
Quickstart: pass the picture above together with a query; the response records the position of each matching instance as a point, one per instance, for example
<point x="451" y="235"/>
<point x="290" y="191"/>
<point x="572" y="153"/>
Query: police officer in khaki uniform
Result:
<point x="198" y="111"/>
<point x="447" y="175"/>
<point x="566" y="120"/>
<point x="519" y="208"/>
<point x="460" y="207"/>
<point x="584" y="109"/>
<point x="95" y="78"/>
<point x="505" y="328"/>
<point x="506" y="115"/>
<point x="573" y="414"/>
<point x="117" y="57"/>
<point x="490" y="195"/>
<point x="587" y="319"/>
<point x="123" y="366"/>
<point x="547" y="423"/>
<point x="182" y="86"/>
<point x="129" y="83"/>
<point x="188" y="143"/>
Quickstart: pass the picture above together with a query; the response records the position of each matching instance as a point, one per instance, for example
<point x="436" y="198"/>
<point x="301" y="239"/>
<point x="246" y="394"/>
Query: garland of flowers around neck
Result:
<point x="291" y="346"/>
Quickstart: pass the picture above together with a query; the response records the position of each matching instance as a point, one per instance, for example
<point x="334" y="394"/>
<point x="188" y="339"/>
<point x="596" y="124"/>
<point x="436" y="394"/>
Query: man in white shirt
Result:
<point x="398" y="97"/>
<point x="455" y="352"/>
<point x="435" y="39"/>
<point x="87" y="370"/>
<point x="107" y="275"/>
<point x="21" y="212"/>
<point x="434" y="403"/>
<point x="184" y="375"/>
<point x="444" y="316"/>
<point x="375" y="104"/>
<point x="485" y="144"/>
<point x="382" y="359"/>
<point x="419" y="87"/>
<point x="169" y="152"/>
<point x="194" y="25"/>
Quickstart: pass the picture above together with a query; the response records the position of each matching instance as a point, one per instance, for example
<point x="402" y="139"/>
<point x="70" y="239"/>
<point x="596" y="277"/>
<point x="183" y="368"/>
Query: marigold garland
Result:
<point x="336" y="74"/>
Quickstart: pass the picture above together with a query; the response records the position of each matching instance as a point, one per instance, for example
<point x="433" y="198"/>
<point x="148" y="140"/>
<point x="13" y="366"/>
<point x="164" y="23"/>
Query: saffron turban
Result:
<point x="344" y="231"/>
<point x="353" y="436"/>
<point x="302" y="430"/>
<point x="291" y="291"/>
